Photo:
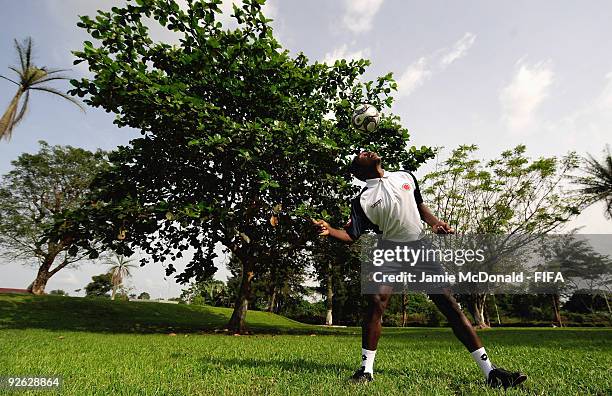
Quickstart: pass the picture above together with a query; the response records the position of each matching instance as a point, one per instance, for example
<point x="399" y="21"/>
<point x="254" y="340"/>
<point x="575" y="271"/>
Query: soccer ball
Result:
<point x="365" y="118"/>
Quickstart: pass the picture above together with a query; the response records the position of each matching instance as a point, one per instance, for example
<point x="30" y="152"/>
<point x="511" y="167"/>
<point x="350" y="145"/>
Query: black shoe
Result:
<point x="499" y="377"/>
<point x="361" y="376"/>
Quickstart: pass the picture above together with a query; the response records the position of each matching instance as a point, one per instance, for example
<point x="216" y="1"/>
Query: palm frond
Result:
<point x="24" y="108"/>
<point x="21" y="55"/>
<point x="18" y="71"/>
<point x="32" y="75"/>
<point x="7" y="122"/>
<point x="596" y="182"/>
<point x="59" y="93"/>
<point x="6" y="78"/>
<point x="45" y="79"/>
<point x="28" y="52"/>
<point x="53" y="71"/>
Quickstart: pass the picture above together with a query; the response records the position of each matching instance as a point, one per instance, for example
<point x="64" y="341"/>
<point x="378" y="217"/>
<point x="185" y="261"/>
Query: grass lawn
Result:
<point x="122" y="348"/>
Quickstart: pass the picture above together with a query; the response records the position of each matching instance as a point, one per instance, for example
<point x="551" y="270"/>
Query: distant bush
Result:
<point x="99" y="286"/>
<point x="305" y="311"/>
<point x="144" y="296"/>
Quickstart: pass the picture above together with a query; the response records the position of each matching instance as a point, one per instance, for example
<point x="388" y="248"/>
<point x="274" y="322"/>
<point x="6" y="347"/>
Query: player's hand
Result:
<point x="322" y="227"/>
<point x="442" y="227"/>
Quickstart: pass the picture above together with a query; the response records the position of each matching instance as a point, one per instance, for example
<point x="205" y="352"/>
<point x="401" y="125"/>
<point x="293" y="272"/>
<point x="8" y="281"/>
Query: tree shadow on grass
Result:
<point x="295" y="365"/>
<point x="103" y="316"/>
<point x="343" y="372"/>
<point x="529" y="337"/>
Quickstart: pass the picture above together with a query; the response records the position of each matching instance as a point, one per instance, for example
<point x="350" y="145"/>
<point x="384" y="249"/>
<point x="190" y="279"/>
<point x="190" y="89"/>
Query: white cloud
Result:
<point x="521" y="98"/>
<point x="413" y="77"/>
<point x="359" y="14"/>
<point x="417" y="73"/>
<point x="68" y="279"/>
<point x="342" y="52"/>
<point x="460" y="48"/>
<point x="604" y="101"/>
<point x="589" y="123"/>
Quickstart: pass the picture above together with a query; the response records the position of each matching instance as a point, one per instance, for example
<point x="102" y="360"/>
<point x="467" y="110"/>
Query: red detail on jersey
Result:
<point x="406" y="186"/>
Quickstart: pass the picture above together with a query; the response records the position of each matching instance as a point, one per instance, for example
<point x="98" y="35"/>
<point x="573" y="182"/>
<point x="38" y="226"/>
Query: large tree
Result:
<point x="511" y="195"/>
<point x="235" y="130"/>
<point x="39" y="187"/>
<point x="29" y="78"/>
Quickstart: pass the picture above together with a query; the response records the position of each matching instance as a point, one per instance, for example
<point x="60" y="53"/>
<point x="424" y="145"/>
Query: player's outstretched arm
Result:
<point x="438" y="226"/>
<point x="326" y="230"/>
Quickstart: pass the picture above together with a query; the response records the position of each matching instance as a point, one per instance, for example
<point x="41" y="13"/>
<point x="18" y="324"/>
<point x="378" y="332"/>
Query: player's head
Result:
<point x="365" y="165"/>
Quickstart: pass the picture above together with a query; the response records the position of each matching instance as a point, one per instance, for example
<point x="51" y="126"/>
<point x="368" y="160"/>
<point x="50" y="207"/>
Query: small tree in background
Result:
<point x="144" y="296"/>
<point x="39" y="187"/>
<point x="58" y="292"/>
<point x="510" y="194"/>
<point x="99" y="286"/>
<point x="120" y="270"/>
<point x="30" y="78"/>
<point x="596" y="183"/>
<point x="210" y="292"/>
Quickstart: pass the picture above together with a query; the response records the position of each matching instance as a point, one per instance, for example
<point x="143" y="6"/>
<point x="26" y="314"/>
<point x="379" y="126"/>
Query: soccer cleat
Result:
<point x="361" y="376"/>
<point x="498" y="377"/>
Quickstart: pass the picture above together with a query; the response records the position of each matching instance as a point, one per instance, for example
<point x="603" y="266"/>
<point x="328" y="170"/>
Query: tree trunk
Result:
<point x="237" y="322"/>
<point x="496" y="310"/>
<point x="42" y="277"/>
<point x="556" y="310"/>
<point x="38" y="286"/>
<point x="113" y="292"/>
<point x="272" y="301"/>
<point x="605" y="296"/>
<point x="45" y="272"/>
<point x="479" y="304"/>
<point x="404" y="309"/>
<point x="329" y="318"/>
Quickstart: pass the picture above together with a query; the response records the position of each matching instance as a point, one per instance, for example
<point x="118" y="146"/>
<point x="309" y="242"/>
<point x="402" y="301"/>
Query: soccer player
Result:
<point x="391" y="204"/>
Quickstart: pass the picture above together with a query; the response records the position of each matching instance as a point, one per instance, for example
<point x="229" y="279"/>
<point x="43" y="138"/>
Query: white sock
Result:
<point x="367" y="360"/>
<point x="482" y="360"/>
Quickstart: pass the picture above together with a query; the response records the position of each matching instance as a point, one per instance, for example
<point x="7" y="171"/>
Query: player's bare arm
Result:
<point x="438" y="226"/>
<point x="326" y="230"/>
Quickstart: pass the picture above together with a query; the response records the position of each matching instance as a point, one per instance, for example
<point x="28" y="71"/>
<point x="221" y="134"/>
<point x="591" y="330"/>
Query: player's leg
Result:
<point x="372" y="320"/>
<point x="463" y="330"/>
<point x="371" y="329"/>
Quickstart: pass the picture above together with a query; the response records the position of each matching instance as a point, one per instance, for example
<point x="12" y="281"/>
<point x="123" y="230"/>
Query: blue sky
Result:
<point x="493" y="74"/>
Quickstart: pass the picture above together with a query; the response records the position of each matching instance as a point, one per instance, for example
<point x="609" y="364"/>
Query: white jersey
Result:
<point x="388" y="205"/>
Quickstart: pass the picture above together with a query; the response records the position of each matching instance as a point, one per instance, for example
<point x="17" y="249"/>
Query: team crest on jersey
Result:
<point x="406" y="186"/>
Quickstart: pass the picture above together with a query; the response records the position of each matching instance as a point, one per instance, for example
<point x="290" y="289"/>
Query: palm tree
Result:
<point x="119" y="271"/>
<point x="30" y="79"/>
<point x="596" y="184"/>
